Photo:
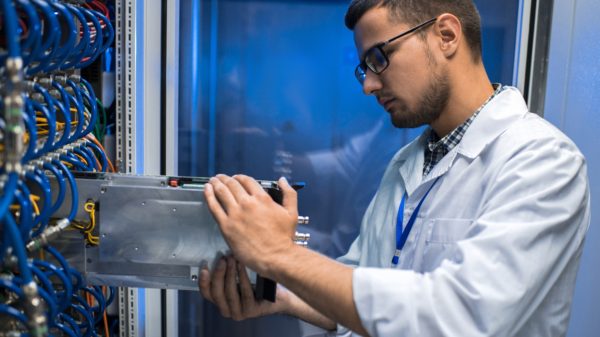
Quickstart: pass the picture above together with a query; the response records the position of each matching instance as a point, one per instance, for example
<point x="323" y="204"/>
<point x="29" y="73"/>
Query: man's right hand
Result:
<point x="229" y="288"/>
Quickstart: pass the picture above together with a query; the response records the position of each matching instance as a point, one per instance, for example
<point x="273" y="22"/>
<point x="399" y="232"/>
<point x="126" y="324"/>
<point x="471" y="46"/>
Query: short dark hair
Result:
<point x="414" y="12"/>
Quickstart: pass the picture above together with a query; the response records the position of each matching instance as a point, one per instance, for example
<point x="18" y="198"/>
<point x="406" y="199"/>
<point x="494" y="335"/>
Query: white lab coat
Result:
<point x="496" y="245"/>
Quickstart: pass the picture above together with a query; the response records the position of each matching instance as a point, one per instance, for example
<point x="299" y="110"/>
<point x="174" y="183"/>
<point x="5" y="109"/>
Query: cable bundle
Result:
<point x="49" y="113"/>
<point x="56" y="35"/>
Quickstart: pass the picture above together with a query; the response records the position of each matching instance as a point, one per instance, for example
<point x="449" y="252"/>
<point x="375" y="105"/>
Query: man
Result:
<point x="477" y="227"/>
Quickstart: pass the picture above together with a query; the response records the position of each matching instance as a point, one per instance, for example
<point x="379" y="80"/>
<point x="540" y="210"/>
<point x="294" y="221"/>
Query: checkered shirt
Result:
<point x="438" y="147"/>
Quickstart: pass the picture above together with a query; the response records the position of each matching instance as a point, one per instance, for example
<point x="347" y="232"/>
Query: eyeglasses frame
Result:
<point x="360" y="76"/>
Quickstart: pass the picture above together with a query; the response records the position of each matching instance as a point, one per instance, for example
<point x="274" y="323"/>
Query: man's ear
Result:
<point x="448" y="31"/>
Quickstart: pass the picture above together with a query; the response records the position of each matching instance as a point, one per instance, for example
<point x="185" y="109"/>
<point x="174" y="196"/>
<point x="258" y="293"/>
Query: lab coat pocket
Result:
<point x="440" y="243"/>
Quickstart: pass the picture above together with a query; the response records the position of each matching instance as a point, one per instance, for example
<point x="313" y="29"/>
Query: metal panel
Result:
<point x="153" y="233"/>
<point x="125" y="84"/>
<point x="522" y="42"/>
<point x="138" y="125"/>
<point x="571" y="103"/>
<point x="172" y="86"/>
<point x="172" y="141"/>
<point x="125" y="135"/>
<point x="538" y="61"/>
<point x="150" y="93"/>
<point x="157" y="225"/>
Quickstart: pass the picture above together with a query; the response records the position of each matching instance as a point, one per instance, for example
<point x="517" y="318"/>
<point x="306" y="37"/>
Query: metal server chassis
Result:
<point x="155" y="232"/>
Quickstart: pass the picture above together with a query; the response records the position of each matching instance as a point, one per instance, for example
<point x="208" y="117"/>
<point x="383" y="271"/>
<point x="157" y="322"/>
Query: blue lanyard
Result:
<point x="402" y="235"/>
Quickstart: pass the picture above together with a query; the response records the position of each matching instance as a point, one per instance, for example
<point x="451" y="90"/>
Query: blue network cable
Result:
<point x="69" y="320"/>
<point x="79" y="105"/>
<point x="11" y="26"/>
<point x="23" y="197"/>
<point x="31" y="44"/>
<point x="12" y="312"/>
<point x="9" y="191"/>
<point x="64" y="51"/>
<point x="73" y="185"/>
<point x="7" y="198"/>
<point x="50" y="269"/>
<point x="60" y="36"/>
<point x="46" y="291"/>
<point x="11" y="286"/>
<point x="92" y="158"/>
<point x="41" y="220"/>
<point x="96" y="47"/>
<point x="84" y="309"/>
<point x="66" y="330"/>
<point x="29" y="122"/>
<point x="11" y="229"/>
<point x="89" y="95"/>
<point x="65" y="108"/>
<point x="103" y="158"/>
<point x="49" y="39"/>
<point x="77" y="164"/>
<point x="99" y="309"/>
<point x="91" y="162"/>
<point x="49" y="143"/>
<point x="78" y="50"/>
<point x="79" y="279"/>
<point x="62" y="186"/>
<point x="66" y="270"/>
<point x="50" y="104"/>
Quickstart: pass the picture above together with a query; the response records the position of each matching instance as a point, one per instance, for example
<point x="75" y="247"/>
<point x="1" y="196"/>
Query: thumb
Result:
<point x="290" y="196"/>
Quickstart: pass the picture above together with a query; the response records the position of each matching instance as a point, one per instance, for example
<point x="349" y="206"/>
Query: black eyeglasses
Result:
<point x="376" y="59"/>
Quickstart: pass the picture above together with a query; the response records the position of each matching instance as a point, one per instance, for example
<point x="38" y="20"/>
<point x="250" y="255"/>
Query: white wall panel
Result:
<point x="572" y="101"/>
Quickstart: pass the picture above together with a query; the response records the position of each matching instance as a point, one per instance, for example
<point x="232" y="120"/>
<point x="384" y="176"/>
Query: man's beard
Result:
<point x="432" y="103"/>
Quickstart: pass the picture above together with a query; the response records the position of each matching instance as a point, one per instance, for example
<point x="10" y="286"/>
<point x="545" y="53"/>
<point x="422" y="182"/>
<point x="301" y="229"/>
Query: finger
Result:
<point x="213" y="204"/>
<point x="231" y="290"/>
<point x="249" y="184"/>
<point x="246" y="292"/>
<point x="290" y="196"/>
<point x="235" y="189"/>
<point x="222" y="191"/>
<point x="204" y="284"/>
<point x="217" y="288"/>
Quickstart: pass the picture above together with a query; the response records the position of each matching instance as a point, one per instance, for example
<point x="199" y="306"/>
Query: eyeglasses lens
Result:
<point x="360" y="74"/>
<point x="376" y="60"/>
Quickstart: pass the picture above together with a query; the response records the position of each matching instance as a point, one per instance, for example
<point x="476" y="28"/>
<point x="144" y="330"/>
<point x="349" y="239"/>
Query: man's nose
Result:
<point x="371" y="84"/>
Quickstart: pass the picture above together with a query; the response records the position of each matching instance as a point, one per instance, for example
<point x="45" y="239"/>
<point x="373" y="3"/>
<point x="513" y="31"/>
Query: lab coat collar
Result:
<point x="411" y="161"/>
<point x="491" y="122"/>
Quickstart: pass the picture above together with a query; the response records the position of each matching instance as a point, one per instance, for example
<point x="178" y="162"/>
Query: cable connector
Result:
<point x="49" y="233"/>
<point x="301" y="239"/>
<point x="14" y="70"/>
<point x="13" y="115"/>
<point x="45" y="82"/>
<point x="61" y="79"/>
<point x="28" y="86"/>
<point x="35" y="311"/>
<point x="75" y="78"/>
<point x="303" y="220"/>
